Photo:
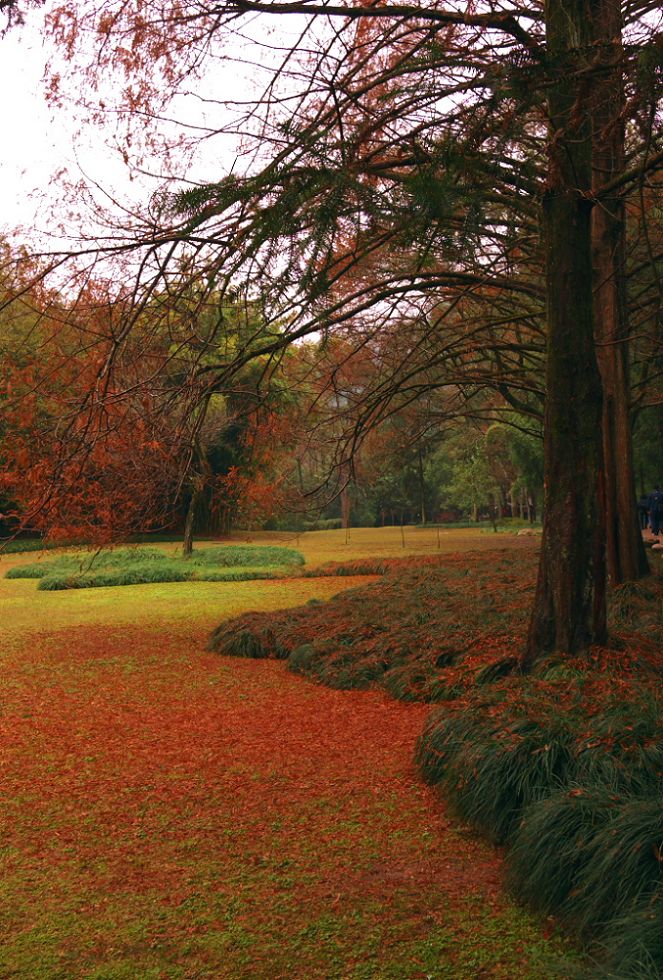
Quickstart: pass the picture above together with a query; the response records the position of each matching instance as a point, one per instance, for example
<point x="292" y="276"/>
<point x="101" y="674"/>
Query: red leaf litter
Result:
<point x="173" y="813"/>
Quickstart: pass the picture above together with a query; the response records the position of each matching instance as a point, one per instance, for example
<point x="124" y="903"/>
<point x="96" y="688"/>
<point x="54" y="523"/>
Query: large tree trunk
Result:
<point x="569" y="608"/>
<point x="625" y="552"/>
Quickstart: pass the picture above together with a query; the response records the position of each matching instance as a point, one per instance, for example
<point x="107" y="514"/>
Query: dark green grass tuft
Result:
<point x="592" y="855"/>
<point x="490" y="769"/>
<point x="554" y="846"/>
<point x="527" y="738"/>
<point x="570" y="775"/>
<point x="244" y="643"/>
<point x="494" y="671"/>
<point x="302" y="658"/>
<point x="255" y="638"/>
<point x="633" y="947"/>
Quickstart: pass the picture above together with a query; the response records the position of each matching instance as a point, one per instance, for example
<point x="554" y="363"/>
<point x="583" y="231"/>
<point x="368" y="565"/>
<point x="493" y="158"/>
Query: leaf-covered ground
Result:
<point x="424" y="630"/>
<point x="171" y="813"/>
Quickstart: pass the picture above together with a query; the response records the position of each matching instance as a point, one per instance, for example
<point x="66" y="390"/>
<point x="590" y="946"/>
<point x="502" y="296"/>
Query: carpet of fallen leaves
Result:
<point x="170" y="813"/>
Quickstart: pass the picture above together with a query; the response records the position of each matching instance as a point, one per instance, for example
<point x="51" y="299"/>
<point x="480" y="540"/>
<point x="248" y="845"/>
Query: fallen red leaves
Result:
<point x="174" y="813"/>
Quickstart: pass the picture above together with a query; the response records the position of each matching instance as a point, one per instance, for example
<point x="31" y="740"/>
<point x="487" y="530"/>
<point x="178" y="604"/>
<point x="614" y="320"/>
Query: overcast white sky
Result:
<point x="31" y="145"/>
<point x="36" y="143"/>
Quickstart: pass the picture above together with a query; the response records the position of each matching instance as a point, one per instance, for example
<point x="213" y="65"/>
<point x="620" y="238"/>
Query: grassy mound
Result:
<point x="138" y="566"/>
<point x="422" y="632"/>
<point x="565" y="766"/>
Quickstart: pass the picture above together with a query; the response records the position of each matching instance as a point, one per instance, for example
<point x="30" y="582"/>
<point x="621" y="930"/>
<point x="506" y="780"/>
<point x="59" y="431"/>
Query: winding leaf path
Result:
<point x="169" y="813"/>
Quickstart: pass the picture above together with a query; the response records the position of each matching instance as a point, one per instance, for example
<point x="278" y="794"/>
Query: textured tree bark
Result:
<point x="569" y="610"/>
<point x="199" y="482"/>
<point x="625" y="551"/>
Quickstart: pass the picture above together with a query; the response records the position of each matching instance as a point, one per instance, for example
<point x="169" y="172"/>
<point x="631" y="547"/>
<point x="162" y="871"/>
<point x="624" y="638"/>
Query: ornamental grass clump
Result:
<point x="136" y="574"/>
<point x="419" y="678"/>
<point x="270" y="556"/>
<point x="554" y="845"/>
<point x="491" y="766"/>
<point x="254" y="646"/>
<point x="592" y="855"/>
<point x="633" y="947"/>
<point x="569" y="773"/>
<point x="620" y="744"/>
<point x="345" y="672"/>
<point x="253" y="635"/>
